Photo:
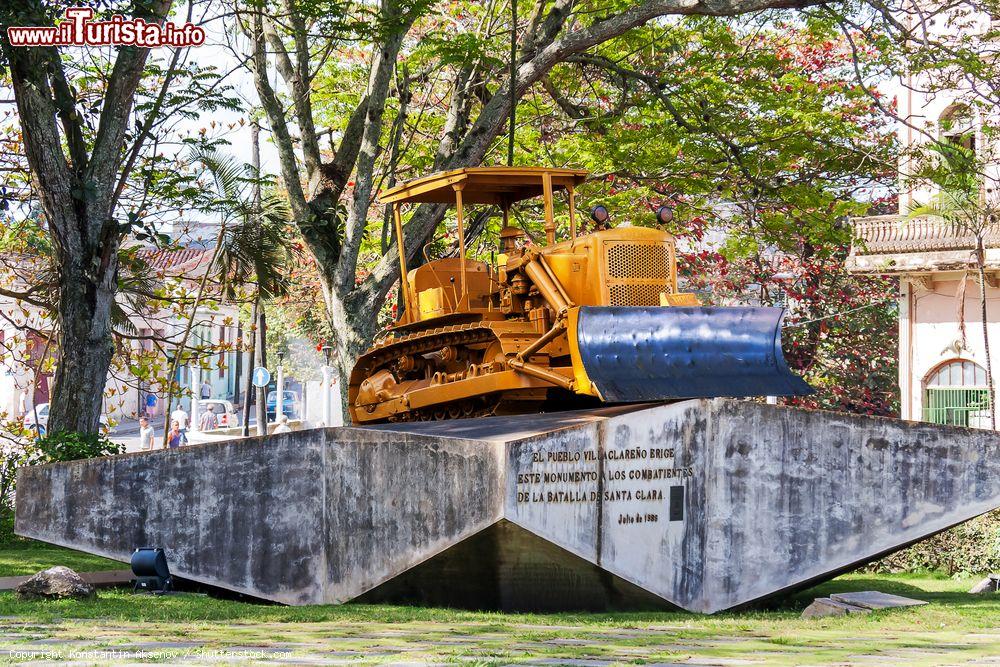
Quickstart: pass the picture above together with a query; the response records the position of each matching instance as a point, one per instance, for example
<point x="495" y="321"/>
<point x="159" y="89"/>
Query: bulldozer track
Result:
<point x="481" y="406"/>
<point x="424" y="341"/>
<point x="389" y="349"/>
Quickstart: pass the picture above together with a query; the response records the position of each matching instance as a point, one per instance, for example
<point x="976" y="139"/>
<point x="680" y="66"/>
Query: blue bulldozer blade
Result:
<point x="651" y="354"/>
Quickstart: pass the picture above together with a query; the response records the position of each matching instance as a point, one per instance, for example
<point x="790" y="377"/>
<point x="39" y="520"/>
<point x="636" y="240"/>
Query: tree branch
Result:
<point x="378" y="90"/>
<point x="66" y="103"/>
<point x="27" y="298"/>
<point x="276" y="119"/>
<point x="106" y="155"/>
<point x="298" y="84"/>
<point x="144" y="131"/>
<point x="37" y="113"/>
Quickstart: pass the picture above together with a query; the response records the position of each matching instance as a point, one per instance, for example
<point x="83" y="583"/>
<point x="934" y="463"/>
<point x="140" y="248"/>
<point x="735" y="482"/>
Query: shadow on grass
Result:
<point x="893" y="585"/>
<point x="118" y="604"/>
<point x="27" y="557"/>
<point x="918" y="587"/>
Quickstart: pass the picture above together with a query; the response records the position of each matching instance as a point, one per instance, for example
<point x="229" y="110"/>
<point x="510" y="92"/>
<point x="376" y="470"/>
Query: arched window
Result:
<point x="956" y="125"/>
<point x="956" y="393"/>
<point x="958" y="374"/>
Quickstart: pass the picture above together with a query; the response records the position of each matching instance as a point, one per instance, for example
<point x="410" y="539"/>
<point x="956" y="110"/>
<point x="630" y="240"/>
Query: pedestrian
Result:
<point x="283" y="426"/>
<point x="206" y="389"/>
<point x="151" y="402"/>
<point x="176" y="437"/>
<point x="181" y="417"/>
<point x="146" y="434"/>
<point x="208" y="420"/>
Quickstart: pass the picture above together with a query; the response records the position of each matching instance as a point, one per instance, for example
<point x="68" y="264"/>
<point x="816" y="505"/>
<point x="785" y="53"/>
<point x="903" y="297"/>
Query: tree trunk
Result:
<point x="981" y="266"/>
<point x="76" y="182"/>
<point x="85" y="346"/>
<point x="354" y="321"/>
<point x="238" y="361"/>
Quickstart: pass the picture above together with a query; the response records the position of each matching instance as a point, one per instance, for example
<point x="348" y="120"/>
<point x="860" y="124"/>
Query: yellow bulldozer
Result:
<point x="594" y="318"/>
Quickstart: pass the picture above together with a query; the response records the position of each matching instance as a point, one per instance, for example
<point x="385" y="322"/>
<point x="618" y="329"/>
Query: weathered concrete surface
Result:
<point x="508" y="568"/>
<point x="823" y="607"/>
<point x="301" y="518"/>
<point x="771" y="497"/>
<point x="876" y="600"/>
<point x="707" y="505"/>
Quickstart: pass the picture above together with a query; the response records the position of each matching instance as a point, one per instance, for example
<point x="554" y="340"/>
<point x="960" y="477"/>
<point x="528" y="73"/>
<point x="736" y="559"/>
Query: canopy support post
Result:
<point x="459" y="214"/>
<point x="572" y="211"/>
<point x="403" y="281"/>
<point x="550" y="223"/>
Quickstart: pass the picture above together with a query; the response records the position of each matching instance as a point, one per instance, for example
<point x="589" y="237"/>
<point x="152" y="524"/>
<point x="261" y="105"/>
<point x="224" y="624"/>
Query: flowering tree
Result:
<point x="840" y="329"/>
<point x="758" y="135"/>
<point x="763" y="142"/>
<point x="403" y="57"/>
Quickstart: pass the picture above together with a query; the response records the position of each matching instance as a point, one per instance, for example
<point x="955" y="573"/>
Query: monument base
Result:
<point x="704" y="504"/>
<point x="508" y="568"/>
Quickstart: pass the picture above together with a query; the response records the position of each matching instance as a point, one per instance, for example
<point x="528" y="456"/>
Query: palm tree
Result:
<point x="251" y="247"/>
<point x="960" y="202"/>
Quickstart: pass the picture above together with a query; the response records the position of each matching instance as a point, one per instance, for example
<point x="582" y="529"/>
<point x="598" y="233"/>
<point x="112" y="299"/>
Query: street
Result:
<point x="127" y="433"/>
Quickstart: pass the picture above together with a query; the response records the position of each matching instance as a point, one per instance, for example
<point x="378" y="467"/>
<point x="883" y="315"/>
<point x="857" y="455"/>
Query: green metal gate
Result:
<point x="957" y="406"/>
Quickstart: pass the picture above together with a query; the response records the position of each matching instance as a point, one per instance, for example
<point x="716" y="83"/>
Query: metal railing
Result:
<point x="957" y="407"/>
<point x="882" y="234"/>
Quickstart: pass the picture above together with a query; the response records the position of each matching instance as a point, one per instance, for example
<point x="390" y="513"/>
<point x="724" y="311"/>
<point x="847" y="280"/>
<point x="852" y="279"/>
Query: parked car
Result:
<point x="41" y="426"/>
<point x="291" y="406"/>
<point x="225" y="412"/>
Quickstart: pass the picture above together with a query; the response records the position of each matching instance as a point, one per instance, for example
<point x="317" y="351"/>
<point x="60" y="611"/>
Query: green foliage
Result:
<point x="255" y="244"/>
<point x="969" y="549"/>
<point x="756" y="125"/>
<point x="462" y="48"/>
<point x="6" y="525"/>
<point x="25" y="235"/>
<point x="957" y="175"/>
<point x="70" y="446"/>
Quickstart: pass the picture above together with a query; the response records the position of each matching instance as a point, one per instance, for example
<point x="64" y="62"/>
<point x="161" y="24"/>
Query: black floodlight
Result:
<point x="600" y="215"/>
<point x="149" y="565"/>
<point x="664" y="215"/>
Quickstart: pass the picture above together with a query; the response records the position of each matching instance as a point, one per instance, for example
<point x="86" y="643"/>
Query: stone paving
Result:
<point x="104" y="642"/>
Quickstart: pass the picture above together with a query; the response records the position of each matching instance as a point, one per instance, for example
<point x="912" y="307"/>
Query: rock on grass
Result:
<point x="55" y="583"/>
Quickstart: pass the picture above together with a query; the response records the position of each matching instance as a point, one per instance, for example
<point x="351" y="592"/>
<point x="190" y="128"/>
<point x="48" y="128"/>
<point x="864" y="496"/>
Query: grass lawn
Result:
<point x="956" y="628"/>
<point x="19" y="557"/>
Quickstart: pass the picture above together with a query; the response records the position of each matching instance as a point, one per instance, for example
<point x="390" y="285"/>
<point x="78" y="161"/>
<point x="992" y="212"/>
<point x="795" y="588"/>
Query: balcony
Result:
<point x="896" y="244"/>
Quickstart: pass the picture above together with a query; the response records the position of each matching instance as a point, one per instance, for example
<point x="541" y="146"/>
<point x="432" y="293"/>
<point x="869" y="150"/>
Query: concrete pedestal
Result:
<point x="706" y="505"/>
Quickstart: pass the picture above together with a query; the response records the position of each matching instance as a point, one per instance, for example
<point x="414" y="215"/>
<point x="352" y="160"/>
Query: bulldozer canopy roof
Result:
<point x="482" y="185"/>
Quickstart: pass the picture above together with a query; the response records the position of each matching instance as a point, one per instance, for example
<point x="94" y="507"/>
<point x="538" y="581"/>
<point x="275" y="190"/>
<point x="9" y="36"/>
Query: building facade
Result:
<point x="24" y="341"/>
<point x="942" y="348"/>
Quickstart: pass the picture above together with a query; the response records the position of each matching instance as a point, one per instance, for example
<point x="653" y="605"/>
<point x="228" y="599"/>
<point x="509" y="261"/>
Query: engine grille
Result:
<point x="637" y="272"/>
